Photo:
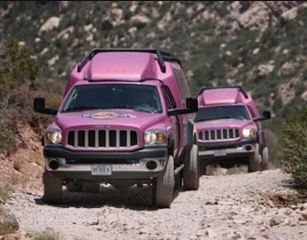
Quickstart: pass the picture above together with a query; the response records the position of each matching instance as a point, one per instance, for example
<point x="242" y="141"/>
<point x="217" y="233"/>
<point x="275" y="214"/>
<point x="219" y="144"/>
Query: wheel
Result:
<point x="74" y="187"/>
<point x="191" y="170"/>
<point x="122" y="185"/>
<point x="254" y="162"/>
<point x="90" y="187"/>
<point x="52" y="188"/>
<point x="265" y="159"/>
<point x="164" y="188"/>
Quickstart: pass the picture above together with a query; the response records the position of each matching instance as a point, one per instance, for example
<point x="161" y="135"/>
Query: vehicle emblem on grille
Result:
<point x="107" y="115"/>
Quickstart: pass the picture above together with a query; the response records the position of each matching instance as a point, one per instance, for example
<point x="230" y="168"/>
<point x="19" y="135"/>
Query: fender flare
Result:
<point x="191" y="134"/>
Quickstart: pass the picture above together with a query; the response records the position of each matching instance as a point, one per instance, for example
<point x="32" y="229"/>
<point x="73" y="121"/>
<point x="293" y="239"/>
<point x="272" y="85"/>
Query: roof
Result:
<point x="229" y="95"/>
<point x="121" y="65"/>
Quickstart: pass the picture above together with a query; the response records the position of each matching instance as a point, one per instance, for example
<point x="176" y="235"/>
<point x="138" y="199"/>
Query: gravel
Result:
<point x="225" y="207"/>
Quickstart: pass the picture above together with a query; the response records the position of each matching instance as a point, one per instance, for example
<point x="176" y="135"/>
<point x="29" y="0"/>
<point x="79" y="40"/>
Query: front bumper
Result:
<point x="240" y="148"/>
<point x="123" y="165"/>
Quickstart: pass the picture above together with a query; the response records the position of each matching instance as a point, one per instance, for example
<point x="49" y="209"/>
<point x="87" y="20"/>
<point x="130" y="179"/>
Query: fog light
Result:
<point x="54" y="165"/>
<point x="248" y="148"/>
<point x="151" y="165"/>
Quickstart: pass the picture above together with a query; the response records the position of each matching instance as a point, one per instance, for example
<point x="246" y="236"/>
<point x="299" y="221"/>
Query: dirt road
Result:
<point x="237" y="206"/>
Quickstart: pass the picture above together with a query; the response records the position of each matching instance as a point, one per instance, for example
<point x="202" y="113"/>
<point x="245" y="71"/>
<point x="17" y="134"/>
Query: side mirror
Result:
<point x="265" y="115"/>
<point x="192" y="104"/>
<point x="39" y="105"/>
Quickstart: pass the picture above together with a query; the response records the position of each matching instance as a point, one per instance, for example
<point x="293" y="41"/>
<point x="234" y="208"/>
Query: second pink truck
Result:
<point x="228" y="127"/>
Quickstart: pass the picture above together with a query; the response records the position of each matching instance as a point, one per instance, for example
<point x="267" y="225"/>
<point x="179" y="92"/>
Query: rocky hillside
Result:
<point x="259" y="45"/>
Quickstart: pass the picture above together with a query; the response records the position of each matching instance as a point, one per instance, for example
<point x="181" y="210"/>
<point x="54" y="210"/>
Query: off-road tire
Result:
<point x="191" y="170"/>
<point x="164" y="187"/>
<point x="52" y="188"/>
<point x="254" y="162"/>
<point x="265" y="159"/>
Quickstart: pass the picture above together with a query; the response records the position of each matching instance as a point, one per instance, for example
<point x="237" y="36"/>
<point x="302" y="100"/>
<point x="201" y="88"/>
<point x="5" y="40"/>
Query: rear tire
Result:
<point x="191" y="170"/>
<point x="265" y="159"/>
<point x="254" y="163"/>
<point x="164" y="189"/>
<point x="52" y="188"/>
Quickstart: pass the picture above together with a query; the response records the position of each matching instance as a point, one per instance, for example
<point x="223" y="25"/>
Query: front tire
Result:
<point x="52" y="188"/>
<point x="191" y="170"/>
<point x="164" y="189"/>
<point x="265" y="159"/>
<point x="254" y="162"/>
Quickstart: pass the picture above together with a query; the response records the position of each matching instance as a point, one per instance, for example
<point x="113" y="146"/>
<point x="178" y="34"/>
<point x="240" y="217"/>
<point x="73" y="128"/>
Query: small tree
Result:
<point x="294" y="146"/>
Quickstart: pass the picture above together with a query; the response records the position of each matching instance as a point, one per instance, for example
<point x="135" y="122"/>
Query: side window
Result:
<point x="168" y="97"/>
<point x="184" y="92"/>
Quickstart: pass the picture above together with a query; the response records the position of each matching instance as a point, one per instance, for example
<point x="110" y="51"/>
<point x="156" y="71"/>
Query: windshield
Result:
<point x="141" y="98"/>
<point x="221" y="112"/>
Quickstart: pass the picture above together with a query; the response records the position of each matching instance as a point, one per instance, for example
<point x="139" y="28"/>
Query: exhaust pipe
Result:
<point x="54" y="164"/>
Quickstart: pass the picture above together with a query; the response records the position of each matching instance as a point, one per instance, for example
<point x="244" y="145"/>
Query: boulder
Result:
<point x="139" y="21"/>
<point x="50" y="24"/>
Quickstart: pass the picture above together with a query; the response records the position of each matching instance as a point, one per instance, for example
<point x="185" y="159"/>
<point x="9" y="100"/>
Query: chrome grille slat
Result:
<point x="129" y="138"/>
<point x="107" y="139"/>
<point x="94" y="142"/>
<point x="96" y="138"/>
<point x="86" y="139"/>
<point x="212" y="135"/>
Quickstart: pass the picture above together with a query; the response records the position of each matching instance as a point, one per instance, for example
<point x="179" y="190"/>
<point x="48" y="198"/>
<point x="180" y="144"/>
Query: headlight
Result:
<point x="53" y="136"/>
<point x="155" y="136"/>
<point x="249" y="132"/>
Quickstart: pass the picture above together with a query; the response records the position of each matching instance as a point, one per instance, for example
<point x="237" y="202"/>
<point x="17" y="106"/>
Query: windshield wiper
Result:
<point x="81" y="108"/>
<point x="144" y="109"/>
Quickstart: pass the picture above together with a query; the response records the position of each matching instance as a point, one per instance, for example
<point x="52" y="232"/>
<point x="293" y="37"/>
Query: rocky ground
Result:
<point x="238" y="206"/>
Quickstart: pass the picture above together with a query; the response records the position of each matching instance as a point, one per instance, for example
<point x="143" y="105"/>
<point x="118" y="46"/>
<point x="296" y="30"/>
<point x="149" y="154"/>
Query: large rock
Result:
<point x="287" y="68"/>
<point x="140" y="21"/>
<point x="276" y="220"/>
<point x="265" y="69"/>
<point x="50" y="24"/>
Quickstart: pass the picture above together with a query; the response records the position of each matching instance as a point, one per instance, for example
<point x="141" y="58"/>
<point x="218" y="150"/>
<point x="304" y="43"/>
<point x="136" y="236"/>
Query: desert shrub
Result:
<point x="8" y="223"/>
<point x="47" y="235"/>
<point x="294" y="146"/>
<point x="17" y="66"/>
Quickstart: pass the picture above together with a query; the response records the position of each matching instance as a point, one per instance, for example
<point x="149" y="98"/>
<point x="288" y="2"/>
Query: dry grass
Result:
<point x="6" y="226"/>
<point x="4" y="192"/>
<point x="37" y="158"/>
<point x="47" y="235"/>
<point x="17" y="165"/>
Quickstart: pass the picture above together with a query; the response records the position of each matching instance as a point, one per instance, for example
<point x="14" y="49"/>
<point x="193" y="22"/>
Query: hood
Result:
<point x="224" y="123"/>
<point x="109" y="118"/>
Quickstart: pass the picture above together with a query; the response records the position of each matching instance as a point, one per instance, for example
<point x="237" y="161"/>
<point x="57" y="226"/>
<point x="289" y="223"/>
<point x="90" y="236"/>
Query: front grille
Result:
<point x="101" y="139"/>
<point x="219" y="134"/>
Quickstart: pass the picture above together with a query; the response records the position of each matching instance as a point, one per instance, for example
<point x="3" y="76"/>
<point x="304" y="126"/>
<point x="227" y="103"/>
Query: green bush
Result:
<point x="294" y="146"/>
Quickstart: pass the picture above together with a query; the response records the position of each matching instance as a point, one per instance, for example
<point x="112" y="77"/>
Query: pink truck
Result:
<point x="228" y="127"/>
<point x="123" y="121"/>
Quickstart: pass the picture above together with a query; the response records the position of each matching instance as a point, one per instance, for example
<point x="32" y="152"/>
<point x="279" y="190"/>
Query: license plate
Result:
<point x="219" y="153"/>
<point x="101" y="170"/>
